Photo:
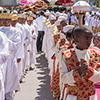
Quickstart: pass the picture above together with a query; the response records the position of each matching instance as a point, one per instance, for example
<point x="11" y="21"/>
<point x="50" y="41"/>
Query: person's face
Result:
<point x="69" y="40"/>
<point x="6" y="22"/>
<point x="47" y="17"/>
<point x="52" y="21"/>
<point x="1" y="22"/>
<point x="62" y="25"/>
<point x="84" y="41"/>
<point x="20" y="20"/>
<point x="58" y="27"/>
<point x="13" y="23"/>
<point x="29" y="22"/>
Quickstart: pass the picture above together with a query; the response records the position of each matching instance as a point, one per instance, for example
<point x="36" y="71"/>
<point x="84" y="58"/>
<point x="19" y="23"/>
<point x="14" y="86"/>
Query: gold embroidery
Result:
<point x="84" y="88"/>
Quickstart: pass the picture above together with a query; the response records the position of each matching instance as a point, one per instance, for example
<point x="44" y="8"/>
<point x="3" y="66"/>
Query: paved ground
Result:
<point x="37" y="83"/>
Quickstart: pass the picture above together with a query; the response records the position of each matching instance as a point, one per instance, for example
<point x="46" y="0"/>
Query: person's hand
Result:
<point x="34" y="38"/>
<point x="18" y="60"/>
<point x="32" y="31"/>
<point x="24" y="43"/>
<point x="83" y="68"/>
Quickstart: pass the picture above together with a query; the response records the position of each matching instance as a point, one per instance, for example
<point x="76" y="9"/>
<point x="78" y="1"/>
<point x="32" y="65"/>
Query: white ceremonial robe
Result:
<point x="4" y="54"/>
<point x="44" y="45"/>
<point x="26" y="38"/>
<point x="87" y="19"/>
<point x="74" y="20"/>
<point x="67" y="77"/>
<point x="91" y="21"/>
<point x="31" y="57"/>
<point x="20" y="52"/>
<point x="33" y="45"/>
<point x="49" y="46"/>
<point x="11" y="71"/>
<point x="28" y="48"/>
<point x="34" y="25"/>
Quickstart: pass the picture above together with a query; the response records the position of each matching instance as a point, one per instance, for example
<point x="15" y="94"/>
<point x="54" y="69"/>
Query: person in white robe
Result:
<point x="26" y="38"/>
<point x="31" y="57"/>
<point x="11" y="71"/>
<point x="74" y="20"/>
<point x="19" y="54"/>
<point x="91" y="18"/>
<point x="46" y="22"/>
<point x="4" y="54"/>
<point x="51" y="30"/>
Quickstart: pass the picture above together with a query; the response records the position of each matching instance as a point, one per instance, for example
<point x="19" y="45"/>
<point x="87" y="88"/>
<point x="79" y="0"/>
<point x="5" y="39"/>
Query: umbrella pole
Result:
<point x="80" y="19"/>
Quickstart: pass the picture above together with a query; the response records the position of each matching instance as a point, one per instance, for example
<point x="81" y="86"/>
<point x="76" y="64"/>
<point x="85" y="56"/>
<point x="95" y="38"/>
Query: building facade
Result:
<point x="8" y="2"/>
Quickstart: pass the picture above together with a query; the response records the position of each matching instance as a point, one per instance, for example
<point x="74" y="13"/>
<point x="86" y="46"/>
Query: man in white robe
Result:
<point x="51" y="29"/>
<point x="19" y="54"/>
<point x="31" y="57"/>
<point x="26" y="40"/>
<point x="11" y="72"/>
<point x="4" y="54"/>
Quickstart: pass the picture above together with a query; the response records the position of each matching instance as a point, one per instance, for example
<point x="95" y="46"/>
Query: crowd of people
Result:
<point x="64" y="38"/>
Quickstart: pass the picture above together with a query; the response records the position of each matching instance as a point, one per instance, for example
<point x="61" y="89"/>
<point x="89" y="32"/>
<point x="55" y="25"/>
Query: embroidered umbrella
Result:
<point x="65" y="3"/>
<point x="41" y="4"/>
<point x="81" y="5"/>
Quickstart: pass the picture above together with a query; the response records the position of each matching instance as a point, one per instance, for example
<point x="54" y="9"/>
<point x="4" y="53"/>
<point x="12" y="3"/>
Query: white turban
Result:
<point x="67" y="27"/>
<point x="62" y="18"/>
<point x="52" y="17"/>
<point x="57" y="23"/>
<point x="47" y="13"/>
<point x="21" y="15"/>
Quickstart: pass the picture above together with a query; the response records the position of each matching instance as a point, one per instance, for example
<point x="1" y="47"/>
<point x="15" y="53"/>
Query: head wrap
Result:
<point x="67" y="27"/>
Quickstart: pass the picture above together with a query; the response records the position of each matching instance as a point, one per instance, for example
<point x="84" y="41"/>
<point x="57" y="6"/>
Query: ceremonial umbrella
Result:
<point x="41" y="4"/>
<point x="23" y="2"/>
<point x="65" y="3"/>
<point x="81" y="5"/>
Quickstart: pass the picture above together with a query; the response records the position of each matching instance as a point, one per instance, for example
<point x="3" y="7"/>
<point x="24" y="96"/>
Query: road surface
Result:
<point x="36" y="85"/>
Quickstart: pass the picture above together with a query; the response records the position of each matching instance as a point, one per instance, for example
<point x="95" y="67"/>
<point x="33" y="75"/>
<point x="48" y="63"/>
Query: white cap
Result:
<point x="52" y="17"/>
<point x="65" y="15"/>
<point x="33" y="15"/>
<point x="62" y="18"/>
<point x="37" y="12"/>
<point x="87" y="13"/>
<point x="57" y="14"/>
<point x="97" y="13"/>
<point x="73" y="12"/>
<point x="1" y="9"/>
<point x="92" y="13"/>
<point x="47" y="10"/>
<point x="21" y="16"/>
<point x="67" y="27"/>
<point x="47" y="13"/>
<point x="57" y="23"/>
